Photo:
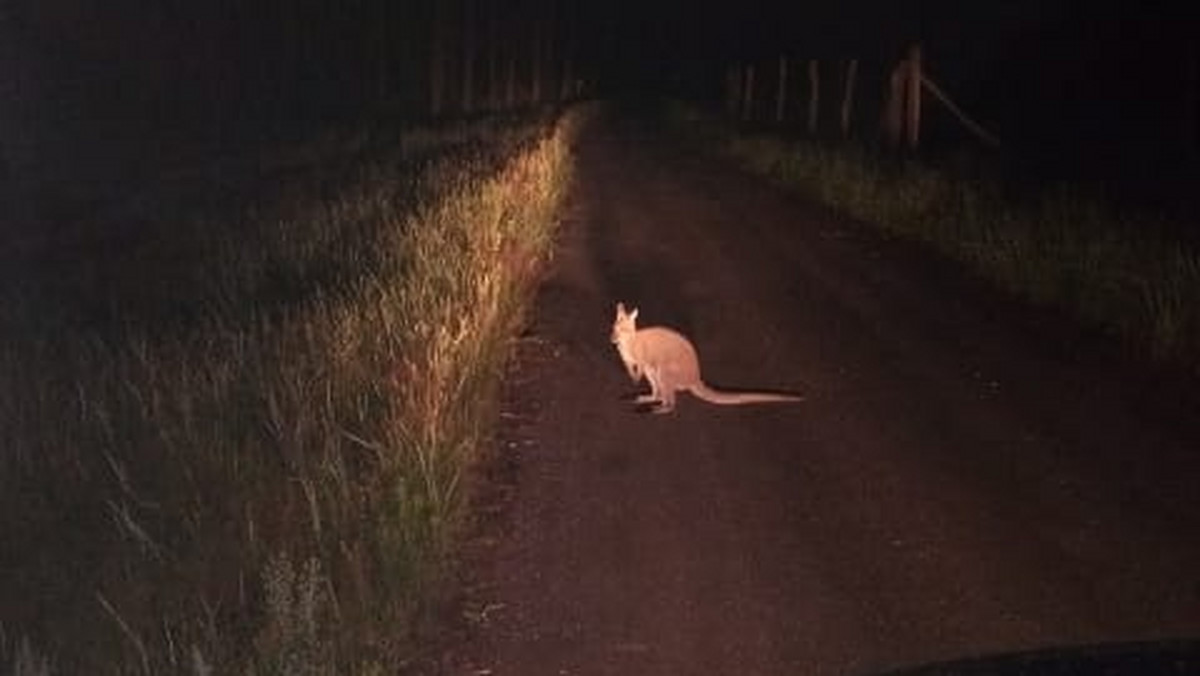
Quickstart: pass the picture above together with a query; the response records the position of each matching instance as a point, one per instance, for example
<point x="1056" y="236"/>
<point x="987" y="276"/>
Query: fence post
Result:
<point x="848" y="96"/>
<point x="902" y="112"/>
<point x="913" y="97"/>
<point x="893" y="107"/>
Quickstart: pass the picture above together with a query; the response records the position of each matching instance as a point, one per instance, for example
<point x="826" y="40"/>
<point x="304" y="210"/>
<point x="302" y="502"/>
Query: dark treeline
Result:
<point x="93" y="91"/>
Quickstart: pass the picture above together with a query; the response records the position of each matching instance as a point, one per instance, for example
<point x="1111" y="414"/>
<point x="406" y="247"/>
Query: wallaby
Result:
<point x="668" y="360"/>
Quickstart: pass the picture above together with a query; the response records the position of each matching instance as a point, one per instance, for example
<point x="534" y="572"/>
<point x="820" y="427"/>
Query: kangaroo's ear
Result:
<point x="633" y="315"/>
<point x="620" y="309"/>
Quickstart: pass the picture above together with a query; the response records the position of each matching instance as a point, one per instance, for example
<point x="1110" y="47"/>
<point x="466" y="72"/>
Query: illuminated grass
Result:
<point x="1112" y="270"/>
<point x="233" y="441"/>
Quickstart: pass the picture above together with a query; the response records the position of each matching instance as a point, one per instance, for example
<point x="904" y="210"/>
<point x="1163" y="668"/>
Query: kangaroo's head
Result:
<point x="625" y="324"/>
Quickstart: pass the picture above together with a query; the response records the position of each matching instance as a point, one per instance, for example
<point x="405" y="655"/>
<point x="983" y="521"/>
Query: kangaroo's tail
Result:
<point x="722" y="397"/>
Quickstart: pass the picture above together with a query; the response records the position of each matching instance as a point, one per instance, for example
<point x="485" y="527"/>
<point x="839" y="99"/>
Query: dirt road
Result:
<point x="965" y="478"/>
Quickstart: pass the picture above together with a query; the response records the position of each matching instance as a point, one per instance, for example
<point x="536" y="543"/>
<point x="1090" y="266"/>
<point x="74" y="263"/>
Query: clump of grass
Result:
<point x="26" y="661"/>
<point x="299" y="613"/>
<point x="233" y="383"/>
<point x="1111" y="268"/>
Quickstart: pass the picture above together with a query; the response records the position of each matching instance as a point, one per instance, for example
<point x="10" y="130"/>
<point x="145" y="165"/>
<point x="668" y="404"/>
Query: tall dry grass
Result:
<point x="1121" y="271"/>
<point x="234" y="427"/>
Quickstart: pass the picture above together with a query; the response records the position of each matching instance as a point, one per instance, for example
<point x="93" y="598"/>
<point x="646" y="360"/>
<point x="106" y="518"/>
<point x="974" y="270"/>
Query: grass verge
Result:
<point x="235" y="413"/>
<point x="1126" y="272"/>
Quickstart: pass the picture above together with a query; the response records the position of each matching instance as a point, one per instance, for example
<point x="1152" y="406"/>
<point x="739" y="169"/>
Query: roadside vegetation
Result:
<point x="235" y="413"/>
<point x="1127" y="271"/>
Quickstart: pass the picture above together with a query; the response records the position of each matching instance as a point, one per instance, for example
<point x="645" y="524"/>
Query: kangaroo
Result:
<point x="668" y="360"/>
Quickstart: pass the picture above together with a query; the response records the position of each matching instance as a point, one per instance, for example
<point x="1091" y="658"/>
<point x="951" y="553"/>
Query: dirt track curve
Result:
<point x="965" y="478"/>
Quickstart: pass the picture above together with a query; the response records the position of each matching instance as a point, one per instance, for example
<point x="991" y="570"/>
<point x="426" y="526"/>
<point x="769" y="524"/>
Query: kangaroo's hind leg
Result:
<point x="653" y="376"/>
<point x="662" y="392"/>
<point x="667" y="403"/>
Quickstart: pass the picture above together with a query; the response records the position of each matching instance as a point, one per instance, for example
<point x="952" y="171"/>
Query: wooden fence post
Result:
<point x="781" y="95"/>
<point x="902" y="112"/>
<point x="913" y="97"/>
<point x="848" y="96"/>
<point x="893" y="108"/>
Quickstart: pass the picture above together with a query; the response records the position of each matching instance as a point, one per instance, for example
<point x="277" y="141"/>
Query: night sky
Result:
<point x="90" y="83"/>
